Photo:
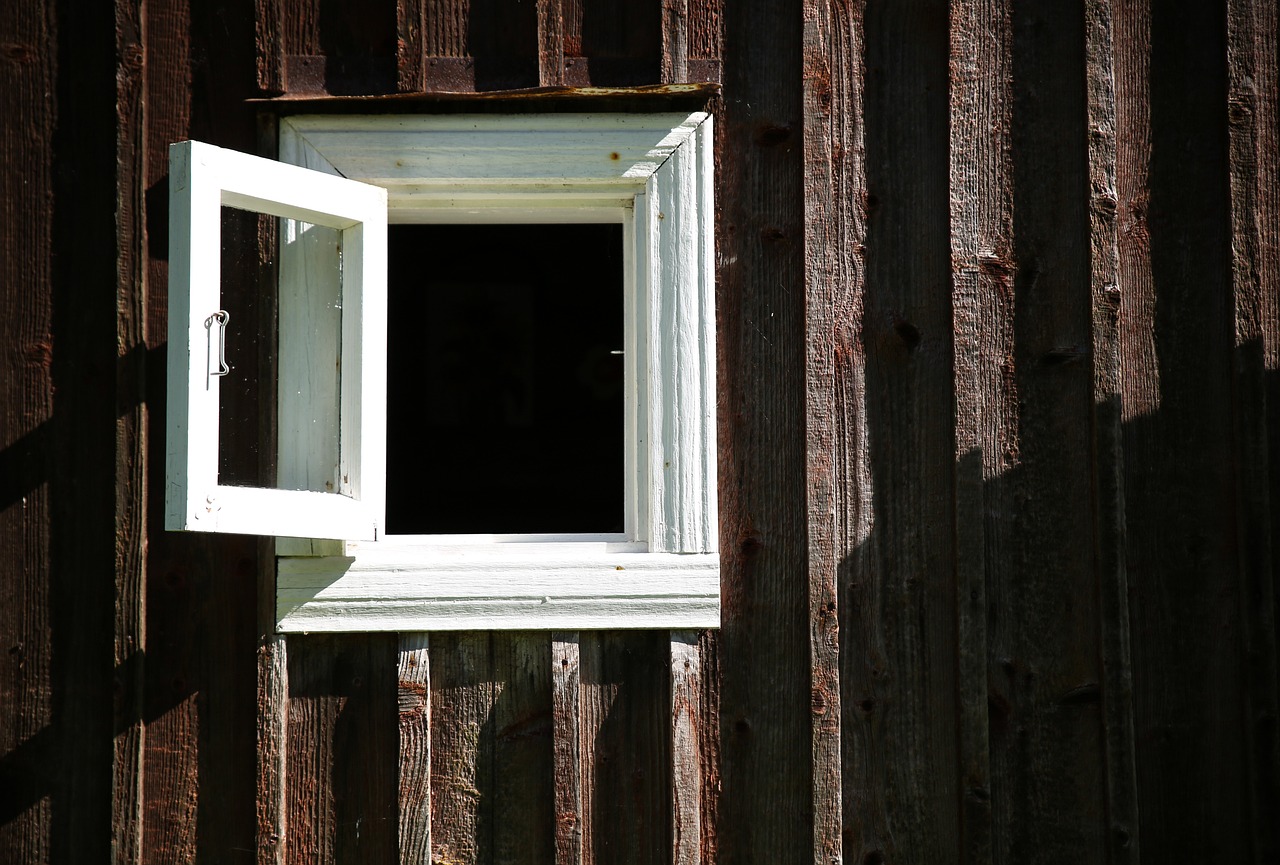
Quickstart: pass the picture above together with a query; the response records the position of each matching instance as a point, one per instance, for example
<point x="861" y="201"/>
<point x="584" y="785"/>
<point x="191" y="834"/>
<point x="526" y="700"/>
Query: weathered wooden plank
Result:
<point x="522" y="819"/>
<point x="686" y="752"/>
<point x="1177" y="342"/>
<point x="415" y="749"/>
<point x="1121" y="819"/>
<point x="766" y="757"/>
<point x="837" y="456"/>
<point x="28" y="742"/>
<point x="1254" y="154"/>
<point x="566" y="746"/>
<point x="273" y="737"/>
<point x="341" y="749"/>
<point x="675" y="41"/>
<point x="131" y="436"/>
<point x="626" y="747"/>
<point x="270" y="45"/>
<point x="462" y="697"/>
<point x="411" y="59"/>
<point x="1044" y="677"/>
<point x="897" y="589"/>
<point x="986" y="436"/>
<point x="709" y="743"/>
<point x="550" y="43"/>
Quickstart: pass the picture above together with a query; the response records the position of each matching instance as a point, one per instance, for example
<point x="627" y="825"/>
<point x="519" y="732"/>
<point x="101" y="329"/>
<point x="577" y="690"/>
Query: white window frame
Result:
<point x="651" y="173"/>
<point x="202" y="179"/>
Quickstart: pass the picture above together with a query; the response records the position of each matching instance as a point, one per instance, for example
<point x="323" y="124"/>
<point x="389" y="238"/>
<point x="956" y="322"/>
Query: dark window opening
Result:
<point x="504" y="388"/>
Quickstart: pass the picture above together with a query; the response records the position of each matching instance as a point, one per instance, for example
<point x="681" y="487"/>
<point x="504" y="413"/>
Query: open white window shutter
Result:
<point x="202" y="179"/>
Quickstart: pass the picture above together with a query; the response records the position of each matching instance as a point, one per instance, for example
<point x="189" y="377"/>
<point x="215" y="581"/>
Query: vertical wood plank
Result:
<point x="838" y="466"/>
<point x="270" y="44"/>
<point x="342" y="749"/>
<point x="897" y="589"/>
<point x="1108" y="507"/>
<point x="675" y="41"/>
<point x="686" y="752"/>
<point x="709" y="743"/>
<point x="1044" y="679"/>
<point x="1254" y="153"/>
<point x="550" y="43"/>
<point x="131" y="434"/>
<point x="766" y="765"/>
<point x="523" y="810"/>
<point x="28" y="742"/>
<point x="415" y="749"/>
<point x="626" y="747"/>
<point x="986" y="442"/>
<point x="411" y="60"/>
<point x="567" y="753"/>
<point x="273" y="748"/>
<point x="1181" y="508"/>
<point x="462" y="697"/>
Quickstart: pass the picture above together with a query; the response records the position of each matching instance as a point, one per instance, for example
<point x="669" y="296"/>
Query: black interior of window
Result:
<point x="505" y="379"/>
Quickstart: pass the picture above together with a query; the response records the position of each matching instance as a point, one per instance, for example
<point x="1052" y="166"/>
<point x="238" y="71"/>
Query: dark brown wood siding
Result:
<point x="998" y="314"/>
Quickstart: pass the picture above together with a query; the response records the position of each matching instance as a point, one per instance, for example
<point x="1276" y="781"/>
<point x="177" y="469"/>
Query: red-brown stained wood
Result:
<point x="1180" y="487"/>
<point x="414" y="757"/>
<point x="838" y="462"/>
<point x="1045" y="678"/>
<point x="626" y="747"/>
<point x="273" y="734"/>
<point x="411" y="24"/>
<point x="566" y="746"/>
<point x="28" y="742"/>
<point x="1255" y="243"/>
<point x="131" y="439"/>
<point x="1122" y="818"/>
<point x="986" y="400"/>
<point x="675" y="41"/>
<point x="709" y="742"/>
<point x="550" y="43"/>
<point x="270" y="45"/>
<point x="491" y="771"/>
<point x="341" y="772"/>
<point x="897" y="587"/>
<point x="765" y="699"/>
<point x="608" y="44"/>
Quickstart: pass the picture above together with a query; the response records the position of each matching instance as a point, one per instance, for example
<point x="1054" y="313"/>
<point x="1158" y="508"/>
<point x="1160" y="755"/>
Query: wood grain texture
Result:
<point x="1180" y="490"/>
<point x="342" y="748"/>
<point x="270" y="45"/>
<point x="1044" y="677"/>
<point x="492" y="766"/>
<point x="28" y="741"/>
<point x="765" y="699"/>
<point x="550" y="43"/>
<point x="566" y="714"/>
<point x="415" y="749"/>
<point x="837" y="454"/>
<point x="986" y="400"/>
<point x="273" y="736"/>
<point x="1122" y="818"/>
<point x="675" y="41"/>
<point x="897" y="588"/>
<point x="1254" y="154"/>
<point x="686" y="751"/>
<point x="626" y="747"/>
<point x="411" y="71"/>
<point x="131" y="434"/>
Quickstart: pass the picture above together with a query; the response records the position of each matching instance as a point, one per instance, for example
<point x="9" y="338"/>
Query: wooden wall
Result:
<point x="999" y="330"/>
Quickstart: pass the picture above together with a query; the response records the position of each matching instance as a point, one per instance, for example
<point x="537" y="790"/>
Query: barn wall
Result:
<point x="998" y="311"/>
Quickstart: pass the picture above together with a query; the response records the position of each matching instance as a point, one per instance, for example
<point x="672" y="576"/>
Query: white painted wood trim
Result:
<point x="204" y="178"/>
<point x="476" y="589"/>
<point x="553" y="168"/>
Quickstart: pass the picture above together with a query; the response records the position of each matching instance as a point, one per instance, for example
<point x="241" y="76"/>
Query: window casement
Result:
<point x="344" y="179"/>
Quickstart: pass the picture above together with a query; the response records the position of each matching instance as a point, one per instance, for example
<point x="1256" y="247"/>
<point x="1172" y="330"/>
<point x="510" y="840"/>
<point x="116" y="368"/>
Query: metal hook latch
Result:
<point x="220" y="318"/>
